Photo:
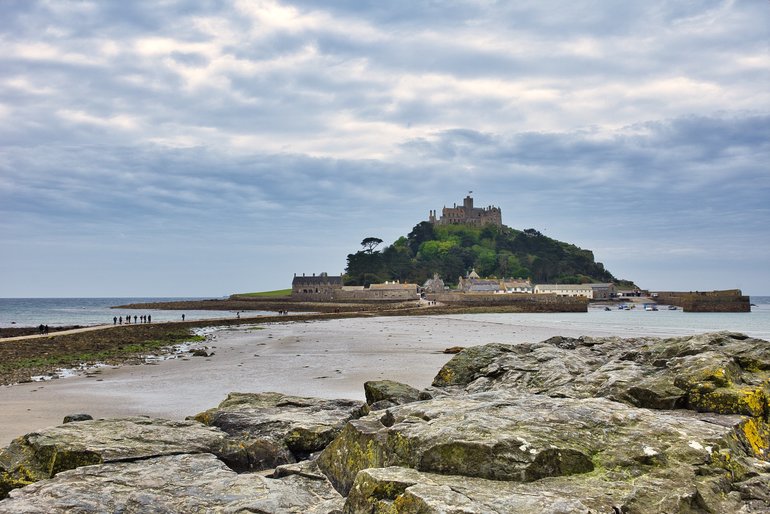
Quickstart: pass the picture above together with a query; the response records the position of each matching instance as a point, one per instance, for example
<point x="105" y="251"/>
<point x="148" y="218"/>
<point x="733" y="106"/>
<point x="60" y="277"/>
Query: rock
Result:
<point x="199" y="352"/>
<point x="178" y="483"/>
<point x="76" y="417"/>
<point x="526" y="438"/>
<point x="275" y="429"/>
<point x="45" y="453"/>
<point x="387" y="393"/>
<point x="725" y="373"/>
<point x="564" y="425"/>
<point x="464" y="367"/>
<point x="453" y="349"/>
<point x="396" y="490"/>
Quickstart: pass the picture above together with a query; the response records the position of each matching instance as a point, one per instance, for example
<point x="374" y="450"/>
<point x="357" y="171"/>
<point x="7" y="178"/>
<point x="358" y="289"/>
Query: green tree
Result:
<point x="370" y="243"/>
<point x="453" y="250"/>
<point x="421" y="232"/>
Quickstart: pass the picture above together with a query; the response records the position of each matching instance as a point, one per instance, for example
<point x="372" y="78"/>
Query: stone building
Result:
<point x="389" y="291"/>
<point x="475" y="284"/>
<point x="467" y="214"/>
<point x="393" y="291"/>
<point x="434" y="285"/>
<point x="316" y="287"/>
<point x="327" y="288"/>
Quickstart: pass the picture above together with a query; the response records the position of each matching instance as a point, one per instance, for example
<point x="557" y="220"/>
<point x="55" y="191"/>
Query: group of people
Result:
<point x="118" y="320"/>
<point x="43" y="329"/>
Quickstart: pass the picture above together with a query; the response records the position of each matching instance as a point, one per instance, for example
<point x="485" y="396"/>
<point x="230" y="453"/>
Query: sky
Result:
<point x="203" y="148"/>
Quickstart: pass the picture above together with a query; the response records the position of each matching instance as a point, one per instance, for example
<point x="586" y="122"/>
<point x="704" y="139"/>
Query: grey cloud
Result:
<point x="654" y="131"/>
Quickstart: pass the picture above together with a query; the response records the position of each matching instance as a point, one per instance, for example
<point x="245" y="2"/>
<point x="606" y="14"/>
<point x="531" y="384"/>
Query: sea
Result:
<point x="639" y="322"/>
<point x="32" y="312"/>
<point x="58" y="312"/>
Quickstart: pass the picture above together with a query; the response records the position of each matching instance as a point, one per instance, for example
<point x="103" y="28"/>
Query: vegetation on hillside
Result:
<point x="454" y="250"/>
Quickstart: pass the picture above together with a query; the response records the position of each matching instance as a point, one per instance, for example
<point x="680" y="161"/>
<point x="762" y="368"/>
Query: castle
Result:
<point x="467" y="215"/>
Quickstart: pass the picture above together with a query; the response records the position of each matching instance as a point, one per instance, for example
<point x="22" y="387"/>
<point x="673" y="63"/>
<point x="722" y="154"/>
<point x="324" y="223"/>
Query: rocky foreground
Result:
<point x="564" y="425"/>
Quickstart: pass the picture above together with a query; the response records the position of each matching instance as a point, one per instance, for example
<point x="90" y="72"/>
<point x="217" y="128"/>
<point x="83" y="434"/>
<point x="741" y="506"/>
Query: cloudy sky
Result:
<point x="181" y="148"/>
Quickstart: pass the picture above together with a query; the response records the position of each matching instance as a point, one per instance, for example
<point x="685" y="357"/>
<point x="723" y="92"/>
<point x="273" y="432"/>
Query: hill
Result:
<point x="493" y="251"/>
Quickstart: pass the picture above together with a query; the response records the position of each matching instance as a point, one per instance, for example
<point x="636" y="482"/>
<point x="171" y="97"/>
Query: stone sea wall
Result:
<point x="586" y="425"/>
<point x="707" y="301"/>
<point x="525" y="302"/>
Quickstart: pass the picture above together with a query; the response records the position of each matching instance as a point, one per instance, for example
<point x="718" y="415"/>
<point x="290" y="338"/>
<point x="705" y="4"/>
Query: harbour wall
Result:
<point x="731" y="300"/>
<point x="524" y="302"/>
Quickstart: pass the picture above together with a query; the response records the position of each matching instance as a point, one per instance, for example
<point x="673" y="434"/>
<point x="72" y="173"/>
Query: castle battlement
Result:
<point x="467" y="214"/>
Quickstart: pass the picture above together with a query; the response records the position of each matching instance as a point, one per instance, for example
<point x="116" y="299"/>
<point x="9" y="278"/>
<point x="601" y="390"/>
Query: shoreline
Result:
<point x="326" y="358"/>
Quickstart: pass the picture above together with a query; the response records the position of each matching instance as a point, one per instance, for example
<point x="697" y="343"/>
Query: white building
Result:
<point x="517" y="286"/>
<point x="591" y="291"/>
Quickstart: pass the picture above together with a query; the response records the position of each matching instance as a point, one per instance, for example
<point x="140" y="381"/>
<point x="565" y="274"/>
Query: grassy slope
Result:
<point x="265" y="294"/>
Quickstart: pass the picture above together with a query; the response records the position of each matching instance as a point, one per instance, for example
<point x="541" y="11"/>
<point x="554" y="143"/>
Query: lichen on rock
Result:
<point x="584" y="424"/>
<point x="274" y="429"/>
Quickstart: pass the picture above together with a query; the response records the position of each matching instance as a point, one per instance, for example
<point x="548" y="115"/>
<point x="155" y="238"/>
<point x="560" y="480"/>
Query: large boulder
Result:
<point x="178" y="483"/>
<point x="470" y="364"/>
<point x="725" y="373"/>
<point x="275" y="429"/>
<point x="565" y="425"/>
<point x="398" y="490"/>
<point x="526" y="438"/>
<point x="381" y="394"/>
<point x="45" y="453"/>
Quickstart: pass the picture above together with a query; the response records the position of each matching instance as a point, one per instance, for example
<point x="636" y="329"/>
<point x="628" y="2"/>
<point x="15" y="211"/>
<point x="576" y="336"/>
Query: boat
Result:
<point x="650" y="307"/>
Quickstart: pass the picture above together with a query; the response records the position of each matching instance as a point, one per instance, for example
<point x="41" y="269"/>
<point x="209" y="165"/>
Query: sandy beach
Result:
<point x="329" y="359"/>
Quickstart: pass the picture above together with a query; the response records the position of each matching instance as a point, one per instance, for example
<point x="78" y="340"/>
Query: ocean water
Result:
<point x="56" y="312"/>
<point x="638" y="322"/>
<point x="31" y="312"/>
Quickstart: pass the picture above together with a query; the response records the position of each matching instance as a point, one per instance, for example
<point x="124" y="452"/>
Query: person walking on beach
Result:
<point x="120" y="319"/>
<point x="134" y="318"/>
<point x="182" y="317"/>
<point x="114" y="320"/>
<point x="149" y="318"/>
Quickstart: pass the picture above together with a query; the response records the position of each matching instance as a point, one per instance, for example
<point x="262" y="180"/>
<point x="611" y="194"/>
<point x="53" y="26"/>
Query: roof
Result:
<point x="323" y="278"/>
<point x="494" y="286"/>
<point x="518" y="281"/>
<point x="564" y="287"/>
<point x="573" y="287"/>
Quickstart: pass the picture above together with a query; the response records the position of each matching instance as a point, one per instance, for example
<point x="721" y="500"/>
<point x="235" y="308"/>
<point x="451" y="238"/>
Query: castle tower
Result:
<point x="467" y="215"/>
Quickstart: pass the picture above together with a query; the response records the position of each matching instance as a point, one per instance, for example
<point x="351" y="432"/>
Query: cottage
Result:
<point x="517" y="286"/>
<point x="591" y="291"/>
<point x="434" y="285"/>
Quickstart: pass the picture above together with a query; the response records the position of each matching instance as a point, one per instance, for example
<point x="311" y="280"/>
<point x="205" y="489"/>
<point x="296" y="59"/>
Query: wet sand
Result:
<point x="328" y="359"/>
